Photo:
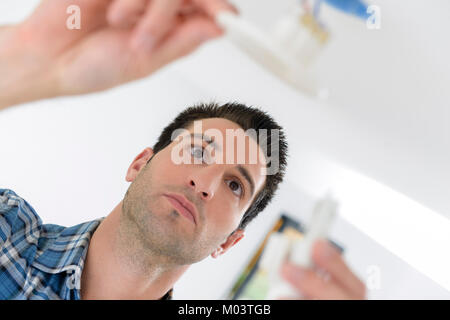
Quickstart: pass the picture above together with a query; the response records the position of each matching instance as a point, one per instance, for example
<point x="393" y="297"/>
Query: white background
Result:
<point x="381" y="143"/>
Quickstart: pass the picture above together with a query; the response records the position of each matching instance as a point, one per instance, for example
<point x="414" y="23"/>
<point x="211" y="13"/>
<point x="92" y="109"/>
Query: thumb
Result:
<point x="187" y="37"/>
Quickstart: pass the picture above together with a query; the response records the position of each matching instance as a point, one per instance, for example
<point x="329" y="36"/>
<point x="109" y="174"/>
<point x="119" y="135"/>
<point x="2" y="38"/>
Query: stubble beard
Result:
<point x="148" y="236"/>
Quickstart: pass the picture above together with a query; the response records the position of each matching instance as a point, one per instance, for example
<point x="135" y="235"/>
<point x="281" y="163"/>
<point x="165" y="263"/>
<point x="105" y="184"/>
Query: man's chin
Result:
<point x="172" y="224"/>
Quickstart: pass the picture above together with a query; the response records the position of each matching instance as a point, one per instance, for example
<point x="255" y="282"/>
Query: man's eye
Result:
<point x="197" y="152"/>
<point x="235" y="187"/>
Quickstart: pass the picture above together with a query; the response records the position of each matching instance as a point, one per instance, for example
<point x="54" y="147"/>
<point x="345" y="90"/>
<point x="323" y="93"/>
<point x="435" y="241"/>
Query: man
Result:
<point x="174" y="213"/>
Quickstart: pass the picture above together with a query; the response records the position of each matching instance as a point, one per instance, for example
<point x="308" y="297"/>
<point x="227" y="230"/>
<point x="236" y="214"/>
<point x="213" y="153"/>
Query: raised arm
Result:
<point x="20" y="78"/>
<point x="117" y="41"/>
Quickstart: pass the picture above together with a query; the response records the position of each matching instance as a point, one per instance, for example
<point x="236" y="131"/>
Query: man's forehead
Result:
<point x="221" y="124"/>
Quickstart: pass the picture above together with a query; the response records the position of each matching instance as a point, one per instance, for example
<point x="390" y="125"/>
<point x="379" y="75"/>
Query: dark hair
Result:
<point x="247" y="118"/>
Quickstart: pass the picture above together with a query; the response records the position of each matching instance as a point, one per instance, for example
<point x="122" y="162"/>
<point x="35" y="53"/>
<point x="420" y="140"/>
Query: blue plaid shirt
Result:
<point x="39" y="261"/>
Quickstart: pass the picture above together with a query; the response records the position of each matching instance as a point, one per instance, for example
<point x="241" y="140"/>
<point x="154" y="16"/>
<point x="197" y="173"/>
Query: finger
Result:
<point x="213" y="7"/>
<point x="156" y="23"/>
<point x="327" y="257"/>
<point x="187" y="37"/>
<point x="188" y="7"/>
<point x="124" y="13"/>
<point x="311" y="285"/>
<point x="128" y="15"/>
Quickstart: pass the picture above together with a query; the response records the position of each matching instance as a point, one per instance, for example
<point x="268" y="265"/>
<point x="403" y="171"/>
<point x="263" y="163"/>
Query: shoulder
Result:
<point x="19" y="237"/>
<point x="18" y="220"/>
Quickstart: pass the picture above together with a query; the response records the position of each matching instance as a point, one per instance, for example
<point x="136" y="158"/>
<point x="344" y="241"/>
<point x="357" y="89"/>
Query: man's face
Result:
<point x="186" y="211"/>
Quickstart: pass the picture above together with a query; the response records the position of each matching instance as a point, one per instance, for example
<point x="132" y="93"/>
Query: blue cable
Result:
<point x="353" y="7"/>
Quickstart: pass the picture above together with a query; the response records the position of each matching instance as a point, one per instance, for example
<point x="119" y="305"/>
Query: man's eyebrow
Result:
<point x="247" y="177"/>
<point x="207" y="139"/>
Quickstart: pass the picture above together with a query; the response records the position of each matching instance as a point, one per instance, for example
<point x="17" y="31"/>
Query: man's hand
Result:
<point x="119" y="41"/>
<point x="336" y="281"/>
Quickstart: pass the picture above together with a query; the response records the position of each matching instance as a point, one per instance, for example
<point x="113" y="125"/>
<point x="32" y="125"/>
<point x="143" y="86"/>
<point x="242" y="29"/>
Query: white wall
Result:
<point x="68" y="157"/>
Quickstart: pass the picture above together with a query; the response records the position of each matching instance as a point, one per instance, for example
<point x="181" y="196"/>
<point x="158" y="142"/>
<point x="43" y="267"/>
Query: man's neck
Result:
<point x="118" y="269"/>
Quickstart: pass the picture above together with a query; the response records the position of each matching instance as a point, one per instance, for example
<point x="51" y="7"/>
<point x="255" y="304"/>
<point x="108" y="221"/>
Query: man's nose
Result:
<point x="205" y="181"/>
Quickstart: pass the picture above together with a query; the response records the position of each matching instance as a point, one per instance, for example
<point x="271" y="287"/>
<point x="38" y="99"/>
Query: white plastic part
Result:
<point x="280" y="248"/>
<point x="295" y="39"/>
<point x="284" y="61"/>
<point x="275" y="253"/>
<point x="323" y="216"/>
<point x="282" y="289"/>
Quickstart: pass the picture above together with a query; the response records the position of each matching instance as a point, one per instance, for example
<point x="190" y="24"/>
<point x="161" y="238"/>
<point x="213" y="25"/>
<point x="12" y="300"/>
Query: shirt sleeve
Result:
<point x="19" y="236"/>
<point x="18" y="220"/>
<point x="7" y="216"/>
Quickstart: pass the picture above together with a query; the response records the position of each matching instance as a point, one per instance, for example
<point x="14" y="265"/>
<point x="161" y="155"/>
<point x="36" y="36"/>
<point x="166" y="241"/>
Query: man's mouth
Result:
<point x="183" y="206"/>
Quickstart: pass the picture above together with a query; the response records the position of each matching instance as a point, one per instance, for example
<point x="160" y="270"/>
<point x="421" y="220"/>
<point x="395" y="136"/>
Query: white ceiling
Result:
<point x="387" y="117"/>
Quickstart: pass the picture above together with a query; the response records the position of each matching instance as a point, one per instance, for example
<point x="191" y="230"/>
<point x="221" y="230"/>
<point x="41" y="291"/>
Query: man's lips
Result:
<point x="183" y="206"/>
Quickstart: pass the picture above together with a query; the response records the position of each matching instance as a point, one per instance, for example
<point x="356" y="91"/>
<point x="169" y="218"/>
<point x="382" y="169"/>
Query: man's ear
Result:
<point x="138" y="163"/>
<point x="232" y="239"/>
